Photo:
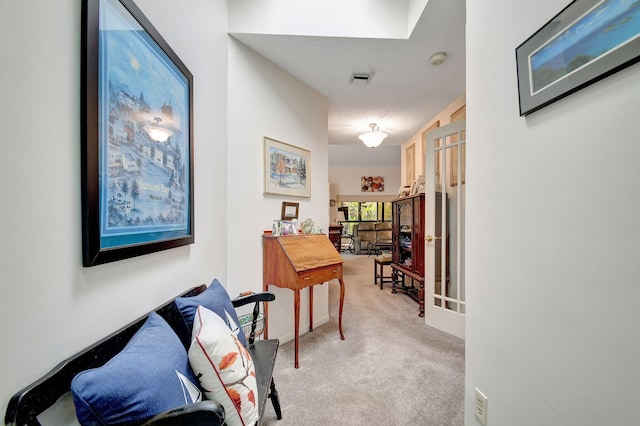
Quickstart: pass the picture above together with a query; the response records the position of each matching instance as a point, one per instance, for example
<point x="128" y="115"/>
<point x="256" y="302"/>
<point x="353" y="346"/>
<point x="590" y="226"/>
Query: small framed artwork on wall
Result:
<point x="586" y="42"/>
<point x="372" y="183"/>
<point x="287" y="169"/>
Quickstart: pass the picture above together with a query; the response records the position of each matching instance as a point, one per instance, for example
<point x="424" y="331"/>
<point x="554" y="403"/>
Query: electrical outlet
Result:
<point x="481" y="406"/>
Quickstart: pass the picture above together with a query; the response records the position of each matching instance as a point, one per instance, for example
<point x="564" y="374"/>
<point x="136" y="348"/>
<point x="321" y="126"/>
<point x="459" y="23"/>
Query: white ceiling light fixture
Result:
<point x="438" y="58"/>
<point x="374" y="137"/>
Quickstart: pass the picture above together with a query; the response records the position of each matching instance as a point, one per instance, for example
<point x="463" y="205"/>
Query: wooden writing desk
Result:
<point x="296" y="262"/>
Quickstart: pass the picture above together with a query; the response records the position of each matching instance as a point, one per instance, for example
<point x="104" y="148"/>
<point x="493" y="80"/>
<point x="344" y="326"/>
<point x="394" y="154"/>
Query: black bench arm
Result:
<point x="202" y="413"/>
<point x="255" y="298"/>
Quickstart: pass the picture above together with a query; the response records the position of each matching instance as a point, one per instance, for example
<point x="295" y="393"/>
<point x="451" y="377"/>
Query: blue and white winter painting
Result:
<point x="605" y="28"/>
<point x="144" y="134"/>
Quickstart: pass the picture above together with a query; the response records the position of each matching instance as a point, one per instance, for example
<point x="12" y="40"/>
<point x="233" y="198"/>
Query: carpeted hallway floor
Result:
<point x="391" y="369"/>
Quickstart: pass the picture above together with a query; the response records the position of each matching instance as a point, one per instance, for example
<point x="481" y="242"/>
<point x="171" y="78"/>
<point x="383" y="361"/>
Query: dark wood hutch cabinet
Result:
<point x="408" y="232"/>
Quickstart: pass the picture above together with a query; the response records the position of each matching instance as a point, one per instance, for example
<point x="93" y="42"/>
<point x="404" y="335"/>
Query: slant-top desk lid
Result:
<point x="307" y="251"/>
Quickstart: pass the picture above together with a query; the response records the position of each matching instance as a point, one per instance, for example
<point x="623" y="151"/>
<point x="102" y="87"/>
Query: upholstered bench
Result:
<point x="156" y="369"/>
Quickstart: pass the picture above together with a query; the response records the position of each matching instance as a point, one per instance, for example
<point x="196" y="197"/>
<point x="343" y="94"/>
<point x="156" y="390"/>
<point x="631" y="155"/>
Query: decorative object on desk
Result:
<point x="277" y="227"/>
<point x="308" y="226"/>
<point x="289" y="228"/>
<point x="586" y="42"/>
<point x="137" y="160"/>
<point x="289" y="210"/>
<point x="372" y="183"/>
<point x="287" y="169"/>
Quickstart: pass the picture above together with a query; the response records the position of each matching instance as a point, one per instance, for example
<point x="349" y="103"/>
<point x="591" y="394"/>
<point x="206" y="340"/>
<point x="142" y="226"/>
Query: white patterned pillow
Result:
<point x="224" y="368"/>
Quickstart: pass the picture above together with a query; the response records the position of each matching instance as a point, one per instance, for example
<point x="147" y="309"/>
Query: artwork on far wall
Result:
<point x="586" y="42"/>
<point x="287" y="169"/>
<point x="137" y="141"/>
<point x="435" y="125"/>
<point x="459" y="114"/>
<point x="372" y="183"/>
<point x="410" y="163"/>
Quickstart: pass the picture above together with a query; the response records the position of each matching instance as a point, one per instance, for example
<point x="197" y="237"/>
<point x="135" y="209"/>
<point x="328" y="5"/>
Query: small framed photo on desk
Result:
<point x="289" y="210"/>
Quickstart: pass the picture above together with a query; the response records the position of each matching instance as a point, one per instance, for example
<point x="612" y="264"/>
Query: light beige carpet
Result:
<point x="392" y="369"/>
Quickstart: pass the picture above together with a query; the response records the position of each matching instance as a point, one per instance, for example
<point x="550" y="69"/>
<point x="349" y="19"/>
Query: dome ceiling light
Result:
<point x="374" y="137"/>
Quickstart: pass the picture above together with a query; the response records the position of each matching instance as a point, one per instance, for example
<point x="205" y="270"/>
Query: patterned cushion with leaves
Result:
<point x="224" y="368"/>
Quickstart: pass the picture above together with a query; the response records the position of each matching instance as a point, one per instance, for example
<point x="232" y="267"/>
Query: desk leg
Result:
<point x="311" y="308"/>
<point x="296" y="321"/>
<point x="341" y="305"/>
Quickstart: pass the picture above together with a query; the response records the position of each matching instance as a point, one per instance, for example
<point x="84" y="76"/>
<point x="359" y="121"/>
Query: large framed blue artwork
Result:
<point x="137" y="137"/>
<point x="586" y="42"/>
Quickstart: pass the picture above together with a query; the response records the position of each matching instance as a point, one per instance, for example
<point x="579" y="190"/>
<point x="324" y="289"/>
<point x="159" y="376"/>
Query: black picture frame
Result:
<point x="136" y="137"/>
<point x="584" y="43"/>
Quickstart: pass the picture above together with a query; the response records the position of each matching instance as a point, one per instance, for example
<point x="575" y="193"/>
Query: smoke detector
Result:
<point x="438" y="58"/>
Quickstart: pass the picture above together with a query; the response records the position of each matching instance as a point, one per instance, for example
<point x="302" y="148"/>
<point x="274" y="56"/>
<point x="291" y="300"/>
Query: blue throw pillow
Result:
<point x="216" y="299"/>
<point x="149" y="376"/>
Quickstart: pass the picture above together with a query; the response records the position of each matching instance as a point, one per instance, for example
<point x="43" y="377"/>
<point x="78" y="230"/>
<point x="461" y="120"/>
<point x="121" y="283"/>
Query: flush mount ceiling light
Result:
<point x="438" y="58"/>
<point x="374" y="137"/>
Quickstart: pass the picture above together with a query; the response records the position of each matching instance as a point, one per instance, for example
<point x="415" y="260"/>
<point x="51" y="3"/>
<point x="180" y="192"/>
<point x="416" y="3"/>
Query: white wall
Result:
<point x="266" y="101"/>
<point x="51" y="306"/>
<point x="552" y="236"/>
<point x="347" y="182"/>
<point x="345" y="185"/>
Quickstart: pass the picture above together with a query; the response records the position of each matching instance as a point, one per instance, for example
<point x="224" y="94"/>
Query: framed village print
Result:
<point x="586" y="42"/>
<point x="137" y="136"/>
<point x="287" y="169"/>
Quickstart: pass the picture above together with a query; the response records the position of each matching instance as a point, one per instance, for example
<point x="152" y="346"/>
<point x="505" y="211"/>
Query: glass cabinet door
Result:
<point x="405" y="229"/>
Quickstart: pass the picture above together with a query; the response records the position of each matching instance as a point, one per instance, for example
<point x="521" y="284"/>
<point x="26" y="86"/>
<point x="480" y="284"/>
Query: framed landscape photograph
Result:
<point x="287" y="169"/>
<point x="137" y="143"/>
<point x="586" y="42"/>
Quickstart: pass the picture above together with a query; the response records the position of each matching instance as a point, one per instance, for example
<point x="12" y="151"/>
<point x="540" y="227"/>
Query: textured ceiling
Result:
<point x="405" y="90"/>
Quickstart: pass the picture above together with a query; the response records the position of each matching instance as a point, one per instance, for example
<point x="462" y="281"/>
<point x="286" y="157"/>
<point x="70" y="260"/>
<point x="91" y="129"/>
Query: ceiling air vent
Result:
<point x="361" y="77"/>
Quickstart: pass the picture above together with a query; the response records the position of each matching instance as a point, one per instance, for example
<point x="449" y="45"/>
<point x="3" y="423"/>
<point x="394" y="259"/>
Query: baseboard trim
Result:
<point x="304" y="329"/>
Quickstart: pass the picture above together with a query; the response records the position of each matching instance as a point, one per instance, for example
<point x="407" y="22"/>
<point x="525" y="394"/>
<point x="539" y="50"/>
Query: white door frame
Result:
<point x="450" y="315"/>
